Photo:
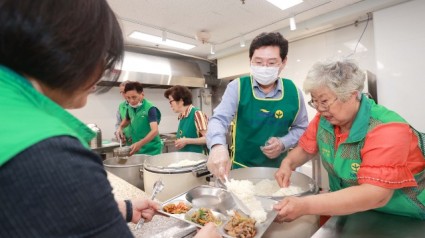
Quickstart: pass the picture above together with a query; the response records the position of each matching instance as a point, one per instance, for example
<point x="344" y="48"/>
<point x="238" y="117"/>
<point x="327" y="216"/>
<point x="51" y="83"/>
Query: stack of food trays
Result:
<point x="204" y="204"/>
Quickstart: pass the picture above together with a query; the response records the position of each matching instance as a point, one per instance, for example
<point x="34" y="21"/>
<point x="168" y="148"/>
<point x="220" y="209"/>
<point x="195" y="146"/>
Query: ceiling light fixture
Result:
<point x="292" y="24"/>
<point x="203" y="36"/>
<point x="285" y="4"/>
<point x="159" y="40"/>
<point x="164" y="36"/>
<point x="212" y="49"/>
<point x="242" y="42"/>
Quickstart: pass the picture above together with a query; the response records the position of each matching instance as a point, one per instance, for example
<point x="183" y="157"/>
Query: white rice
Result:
<point x="268" y="187"/>
<point x="244" y="190"/>
<point x="185" y="162"/>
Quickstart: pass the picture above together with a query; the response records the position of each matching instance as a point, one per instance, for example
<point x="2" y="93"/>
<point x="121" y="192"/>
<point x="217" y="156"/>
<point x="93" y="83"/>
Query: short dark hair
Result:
<point x="179" y="92"/>
<point x="269" y="39"/>
<point x="60" y="43"/>
<point x="133" y="86"/>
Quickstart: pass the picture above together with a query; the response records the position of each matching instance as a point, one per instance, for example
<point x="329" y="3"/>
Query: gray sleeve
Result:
<point x="58" y="188"/>
<point x="223" y="115"/>
<point x="119" y="119"/>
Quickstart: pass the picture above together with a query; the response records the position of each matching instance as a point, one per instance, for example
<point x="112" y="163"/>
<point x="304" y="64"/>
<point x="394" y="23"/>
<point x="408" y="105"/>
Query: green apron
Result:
<point x="123" y="113"/>
<point x="140" y="127"/>
<point x="187" y="129"/>
<point x="257" y="119"/>
<point x="342" y="165"/>
<point x="32" y="117"/>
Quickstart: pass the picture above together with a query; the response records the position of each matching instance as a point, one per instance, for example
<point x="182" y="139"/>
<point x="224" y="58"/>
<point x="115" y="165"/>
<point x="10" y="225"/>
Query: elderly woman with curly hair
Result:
<point x="374" y="158"/>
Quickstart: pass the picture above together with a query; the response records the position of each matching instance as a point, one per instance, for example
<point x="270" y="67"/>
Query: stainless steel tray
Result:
<point x="220" y="202"/>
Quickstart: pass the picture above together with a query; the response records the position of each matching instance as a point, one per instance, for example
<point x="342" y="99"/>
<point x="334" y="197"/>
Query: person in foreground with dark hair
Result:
<point x="268" y="112"/>
<point x="193" y="122"/>
<point x="142" y="120"/>
<point x="52" y="54"/>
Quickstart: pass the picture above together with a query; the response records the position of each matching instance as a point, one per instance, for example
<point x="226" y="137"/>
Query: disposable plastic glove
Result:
<point x="218" y="161"/>
<point x="120" y="135"/>
<point x="273" y="148"/>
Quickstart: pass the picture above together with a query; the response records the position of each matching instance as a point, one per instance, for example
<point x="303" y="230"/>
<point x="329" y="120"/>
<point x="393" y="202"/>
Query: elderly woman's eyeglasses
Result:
<point x="325" y="104"/>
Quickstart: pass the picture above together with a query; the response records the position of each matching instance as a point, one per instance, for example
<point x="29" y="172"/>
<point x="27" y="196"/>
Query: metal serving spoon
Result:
<point x="157" y="187"/>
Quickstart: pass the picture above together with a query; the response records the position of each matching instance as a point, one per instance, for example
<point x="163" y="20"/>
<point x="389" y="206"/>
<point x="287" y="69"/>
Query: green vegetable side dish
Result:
<point x="203" y="216"/>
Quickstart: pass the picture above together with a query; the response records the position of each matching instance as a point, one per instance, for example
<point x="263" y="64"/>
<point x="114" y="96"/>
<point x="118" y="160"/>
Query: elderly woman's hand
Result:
<point x="283" y="174"/>
<point x="273" y="148"/>
<point x="289" y="209"/>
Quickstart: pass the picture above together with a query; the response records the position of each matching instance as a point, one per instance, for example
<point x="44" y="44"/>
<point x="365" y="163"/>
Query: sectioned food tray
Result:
<point x="220" y="204"/>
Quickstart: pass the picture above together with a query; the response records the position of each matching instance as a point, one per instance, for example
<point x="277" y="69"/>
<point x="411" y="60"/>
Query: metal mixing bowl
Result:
<point x="122" y="152"/>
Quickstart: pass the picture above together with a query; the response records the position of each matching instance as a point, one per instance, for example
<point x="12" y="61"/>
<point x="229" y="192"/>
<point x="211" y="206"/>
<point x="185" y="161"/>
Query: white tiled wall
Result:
<point x="400" y="52"/>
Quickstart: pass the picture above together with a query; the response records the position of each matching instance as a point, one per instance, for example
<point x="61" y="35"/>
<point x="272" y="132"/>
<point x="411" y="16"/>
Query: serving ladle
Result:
<point x="157" y="187"/>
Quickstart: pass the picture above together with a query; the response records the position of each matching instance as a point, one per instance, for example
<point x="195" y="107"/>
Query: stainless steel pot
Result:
<point x="96" y="142"/>
<point x="176" y="180"/>
<point x="131" y="169"/>
<point x="256" y="174"/>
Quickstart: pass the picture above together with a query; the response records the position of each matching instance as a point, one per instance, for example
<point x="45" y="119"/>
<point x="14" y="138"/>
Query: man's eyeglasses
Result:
<point x="325" y="104"/>
<point x="271" y="63"/>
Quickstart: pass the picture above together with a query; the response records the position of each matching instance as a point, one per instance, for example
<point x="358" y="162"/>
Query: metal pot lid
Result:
<point x="161" y="163"/>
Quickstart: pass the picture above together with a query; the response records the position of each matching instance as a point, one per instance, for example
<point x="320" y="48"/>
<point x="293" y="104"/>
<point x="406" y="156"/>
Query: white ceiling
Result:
<point x="229" y="20"/>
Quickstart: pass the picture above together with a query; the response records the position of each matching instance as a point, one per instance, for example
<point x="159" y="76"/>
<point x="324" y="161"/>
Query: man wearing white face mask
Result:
<point x="268" y="112"/>
<point x="142" y="118"/>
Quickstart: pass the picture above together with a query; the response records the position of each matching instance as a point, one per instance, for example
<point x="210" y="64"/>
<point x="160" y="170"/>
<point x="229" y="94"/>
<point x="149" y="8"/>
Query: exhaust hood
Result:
<point x="155" y="71"/>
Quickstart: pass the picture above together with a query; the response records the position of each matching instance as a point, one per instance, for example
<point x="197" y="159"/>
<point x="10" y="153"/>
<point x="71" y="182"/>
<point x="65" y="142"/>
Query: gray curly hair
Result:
<point x="342" y="76"/>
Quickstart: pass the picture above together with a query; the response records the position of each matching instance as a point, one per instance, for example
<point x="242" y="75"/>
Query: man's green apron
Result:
<point x="187" y="129"/>
<point x="123" y="112"/>
<point x="140" y="127"/>
<point x="258" y="119"/>
<point x="35" y="117"/>
<point x="342" y="165"/>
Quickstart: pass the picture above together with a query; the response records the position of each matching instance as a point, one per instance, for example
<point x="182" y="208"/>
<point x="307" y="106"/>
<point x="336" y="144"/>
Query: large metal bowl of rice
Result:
<point x="266" y="185"/>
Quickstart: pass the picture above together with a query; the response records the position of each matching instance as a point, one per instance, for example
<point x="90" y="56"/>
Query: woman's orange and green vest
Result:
<point x="35" y="117"/>
<point x="140" y="127"/>
<point x="187" y="129"/>
<point x="258" y="119"/>
<point x="122" y="108"/>
<point x="342" y="164"/>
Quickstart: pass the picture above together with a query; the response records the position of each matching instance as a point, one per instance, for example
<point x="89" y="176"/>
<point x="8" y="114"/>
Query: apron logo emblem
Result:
<point x="278" y="114"/>
<point x="355" y="167"/>
<point x="180" y="132"/>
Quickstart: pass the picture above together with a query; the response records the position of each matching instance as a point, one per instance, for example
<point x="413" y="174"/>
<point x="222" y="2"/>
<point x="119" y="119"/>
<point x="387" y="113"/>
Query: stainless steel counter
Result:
<point x="371" y="224"/>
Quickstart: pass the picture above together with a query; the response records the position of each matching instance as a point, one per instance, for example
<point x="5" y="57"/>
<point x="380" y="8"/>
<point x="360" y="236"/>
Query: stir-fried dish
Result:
<point x="240" y="226"/>
<point x="203" y="216"/>
<point x="178" y="208"/>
